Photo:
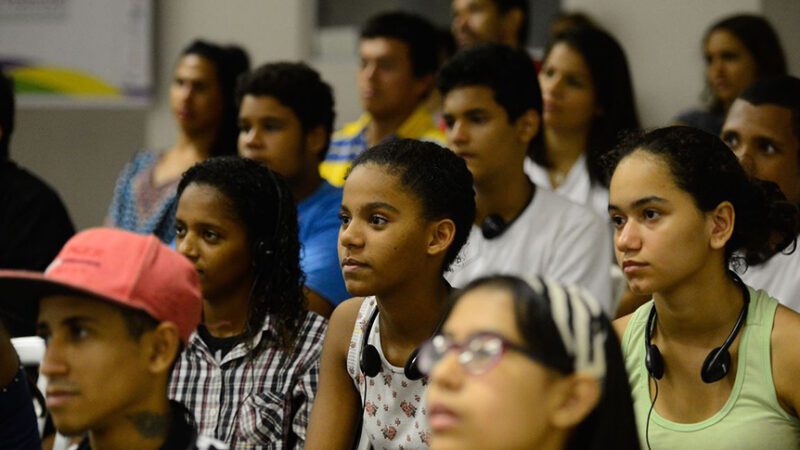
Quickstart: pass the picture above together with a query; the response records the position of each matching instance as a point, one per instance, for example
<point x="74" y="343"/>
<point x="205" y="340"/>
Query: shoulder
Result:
<point x="342" y="323"/>
<point x="621" y="324"/>
<point x="786" y="357"/>
<point x="351" y="129"/>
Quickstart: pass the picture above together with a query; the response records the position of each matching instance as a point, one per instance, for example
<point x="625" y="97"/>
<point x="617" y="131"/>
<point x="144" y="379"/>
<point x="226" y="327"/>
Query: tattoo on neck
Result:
<point x="149" y="424"/>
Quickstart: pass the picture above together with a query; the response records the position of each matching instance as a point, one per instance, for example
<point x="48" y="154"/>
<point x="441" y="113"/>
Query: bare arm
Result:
<point x="337" y="405"/>
<point x="786" y="358"/>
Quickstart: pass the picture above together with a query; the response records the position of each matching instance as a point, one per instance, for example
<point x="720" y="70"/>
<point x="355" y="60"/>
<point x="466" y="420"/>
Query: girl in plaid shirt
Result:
<point x="249" y="373"/>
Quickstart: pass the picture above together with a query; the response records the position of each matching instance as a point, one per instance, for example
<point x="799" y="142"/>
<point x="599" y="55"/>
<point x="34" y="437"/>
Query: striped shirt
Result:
<point x="260" y="402"/>
<point x="351" y="141"/>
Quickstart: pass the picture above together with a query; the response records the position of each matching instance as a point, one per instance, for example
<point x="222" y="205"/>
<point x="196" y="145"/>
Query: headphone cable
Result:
<point x="647" y="425"/>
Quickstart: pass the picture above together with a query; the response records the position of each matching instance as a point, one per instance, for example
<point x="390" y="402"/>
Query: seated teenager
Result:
<point x="249" y="373"/>
<point x="405" y="214"/>
<point x="202" y="99"/>
<point x="492" y="108"/>
<point x="285" y="122"/>
<point x="399" y="55"/>
<point x="711" y="361"/>
<point x="527" y="365"/>
<point x="34" y="224"/>
<point x="763" y="130"/>
<point x="115" y="309"/>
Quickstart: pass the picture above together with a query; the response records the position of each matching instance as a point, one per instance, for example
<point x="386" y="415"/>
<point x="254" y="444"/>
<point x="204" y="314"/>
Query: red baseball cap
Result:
<point x="120" y="267"/>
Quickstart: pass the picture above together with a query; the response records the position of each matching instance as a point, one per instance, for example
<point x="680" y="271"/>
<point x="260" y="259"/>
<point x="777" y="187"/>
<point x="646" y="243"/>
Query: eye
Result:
<point x="180" y="230"/>
<point x="617" y="220"/>
<point x="651" y="214"/>
<point x="77" y="332"/>
<point x="211" y="236"/>
<point x="344" y="219"/>
<point x="575" y="82"/>
<point x="449" y="122"/>
<point x="731" y="139"/>
<point x="378" y="220"/>
<point x="767" y="147"/>
<point x="45" y="335"/>
<point x="549" y="72"/>
<point x="244" y="127"/>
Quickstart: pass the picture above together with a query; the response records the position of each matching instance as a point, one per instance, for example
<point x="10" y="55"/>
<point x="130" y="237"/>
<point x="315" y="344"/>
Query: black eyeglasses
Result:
<point x="477" y="355"/>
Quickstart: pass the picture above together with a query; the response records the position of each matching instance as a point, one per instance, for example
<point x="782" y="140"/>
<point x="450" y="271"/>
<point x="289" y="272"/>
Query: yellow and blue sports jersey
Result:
<point x="351" y="141"/>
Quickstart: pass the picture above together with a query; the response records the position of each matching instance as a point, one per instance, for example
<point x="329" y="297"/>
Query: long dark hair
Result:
<point x="611" y="424"/>
<point x="704" y="167"/>
<point x="262" y="201"/>
<point x="613" y="88"/>
<point x="229" y="63"/>
<point x="760" y="39"/>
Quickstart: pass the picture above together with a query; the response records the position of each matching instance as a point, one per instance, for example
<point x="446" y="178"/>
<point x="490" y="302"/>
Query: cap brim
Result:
<point x="20" y="292"/>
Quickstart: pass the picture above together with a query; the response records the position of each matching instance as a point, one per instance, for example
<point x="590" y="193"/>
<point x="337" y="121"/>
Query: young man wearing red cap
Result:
<point x="114" y="309"/>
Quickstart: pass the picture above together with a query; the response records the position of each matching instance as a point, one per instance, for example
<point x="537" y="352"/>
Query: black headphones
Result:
<point x="493" y="225"/>
<point x="717" y="363"/>
<point x="263" y="251"/>
<point x="370" y="362"/>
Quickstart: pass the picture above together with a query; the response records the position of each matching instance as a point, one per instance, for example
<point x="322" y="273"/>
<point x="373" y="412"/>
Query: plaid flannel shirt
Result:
<point x="252" y="403"/>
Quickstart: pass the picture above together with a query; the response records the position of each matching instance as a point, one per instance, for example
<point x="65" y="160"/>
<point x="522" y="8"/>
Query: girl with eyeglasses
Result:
<point x="524" y="365"/>
<point x="407" y="210"/>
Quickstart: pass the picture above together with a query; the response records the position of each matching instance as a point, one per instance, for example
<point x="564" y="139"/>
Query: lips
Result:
<point x="57" y="397"/>
<point x="631" y="266"/>
<point x="441" y="418"/>
<point x="350" y="264"/>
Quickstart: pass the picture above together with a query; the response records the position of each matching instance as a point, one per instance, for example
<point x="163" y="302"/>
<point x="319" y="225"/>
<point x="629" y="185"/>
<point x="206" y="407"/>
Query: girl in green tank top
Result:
<point x="712" y="363"/>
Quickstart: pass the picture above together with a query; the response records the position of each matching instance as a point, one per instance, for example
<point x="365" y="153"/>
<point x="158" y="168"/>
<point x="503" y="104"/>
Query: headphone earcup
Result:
<point x="493" y="226"/>
<point x="410" y="370"/>
<point x="370" y="363"/>
<point x="716" y="365"/>
<point x="654" y="362"/>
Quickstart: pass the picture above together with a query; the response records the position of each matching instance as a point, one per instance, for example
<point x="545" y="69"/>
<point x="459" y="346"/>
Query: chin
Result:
<point x="68" y="425"/>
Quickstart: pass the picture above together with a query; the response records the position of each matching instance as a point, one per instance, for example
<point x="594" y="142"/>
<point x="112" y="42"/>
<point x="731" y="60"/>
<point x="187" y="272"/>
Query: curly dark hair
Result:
<point x="264" y="204"/>
<point x="704" y="167"/>
<point x="436" y="176"/>
<point x="613" y="89"/>
<point x="229" y="62"/>
<point x="299" y="88"/>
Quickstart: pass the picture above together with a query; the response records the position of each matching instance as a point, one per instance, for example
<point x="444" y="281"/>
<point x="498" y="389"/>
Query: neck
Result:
<point x="199" y="143"/>
<point x="409" y="315"/>
<point x="506" y="195"/>
<point x="145" y="427"/>
<point x="383" y="126"/>
<point x="304" y="186"/>
<point x="564" y="147"/>
<point x="700" y="309"/>
<point x="226" y="317"/>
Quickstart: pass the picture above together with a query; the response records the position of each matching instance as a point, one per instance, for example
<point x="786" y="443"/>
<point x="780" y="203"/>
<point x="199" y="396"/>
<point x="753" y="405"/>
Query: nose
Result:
<point x="627" y="239"/>
<point x="186" y="246"/>
<point x="251" y="138"/>
<point x="745" y="156"/>
<point x="447" y="373"/>
<point x="350" y="236"/>
<point x="52" y="364"/>
<point x="458" y="133"/>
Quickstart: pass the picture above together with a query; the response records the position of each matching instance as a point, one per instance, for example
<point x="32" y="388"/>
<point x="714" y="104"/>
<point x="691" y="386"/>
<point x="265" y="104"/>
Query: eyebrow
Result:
<point x="639" y="203"/>
<point x="381" y="205"/>
<point x="72" y="320"/>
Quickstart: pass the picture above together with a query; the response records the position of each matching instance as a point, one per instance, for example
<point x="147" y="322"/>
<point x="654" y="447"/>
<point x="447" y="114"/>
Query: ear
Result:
<point x="315" y="140"/>
<point x="527" y="126"/>
<point x="578" y="396"/>
<point x="441" y="235"/>
<point x="511" y="24"/>
<point x="163" y="345"/>
<point x="423" y="86"/>
<point x="720" y="223"/>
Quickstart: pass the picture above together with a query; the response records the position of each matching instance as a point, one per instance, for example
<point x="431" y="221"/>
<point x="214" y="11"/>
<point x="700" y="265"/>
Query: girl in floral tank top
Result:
<point x="406" y="212"/>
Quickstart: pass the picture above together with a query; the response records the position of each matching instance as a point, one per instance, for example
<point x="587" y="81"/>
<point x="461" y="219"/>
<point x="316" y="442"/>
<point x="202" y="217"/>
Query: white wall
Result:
<point x="80" y="152"/>
<point x="662" y="40"/>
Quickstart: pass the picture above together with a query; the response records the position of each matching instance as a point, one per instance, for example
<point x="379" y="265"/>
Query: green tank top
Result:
<point x="752" y="418"/>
